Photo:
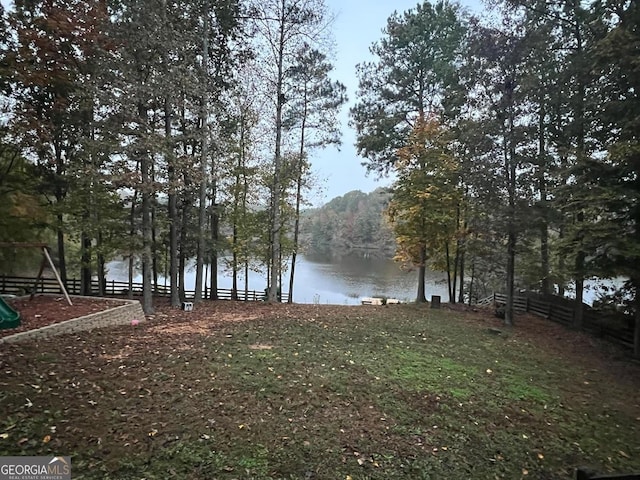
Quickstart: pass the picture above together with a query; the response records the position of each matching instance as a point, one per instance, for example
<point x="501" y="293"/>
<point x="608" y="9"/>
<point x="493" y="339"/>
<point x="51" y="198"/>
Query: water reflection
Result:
<point x="345" y="279"/>
<point x="325" y="279"/>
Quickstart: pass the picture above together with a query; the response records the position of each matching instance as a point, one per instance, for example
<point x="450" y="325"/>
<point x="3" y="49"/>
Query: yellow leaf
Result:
<point x="46" y="439"/>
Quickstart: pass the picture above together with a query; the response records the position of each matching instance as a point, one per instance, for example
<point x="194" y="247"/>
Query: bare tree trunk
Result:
<point x="215" y="233"/>
<point x="294" y="256"/>
<point x="131" y="266"/>
<point x="246" y="280"/>
<point x="578" y="314"/>
<point x="132" y="234"/>
<point x="636" y="330"/>
<point x="561" y="264"/>
<point x="421" y="297"/>
<point x="461" y="249"/>
<point x="456" y="262"/>
<point x="234" y="260"/>
<point x="471" y="281"/>
<point x="147" y="254"/>
<point x="296" y="227"/>
<point x="450" y="286"/>
<point x="182" y="256"/>
<point x="545" y="286"/>
<point x="204" y="163"/>
<point x="581" y="154"/>
<point x="101" y="262"/>
<point x="85" y="264"/>
<point x="234" y="279"/>
<point x="147" y="227"/>
<point x="62" y="263"/>
<point x="511" y="260"/>
<point x="172" y="209"/>
<point x="272" y="295"/>
<point x="510" y="172"/>
<point x="154" y="240"/>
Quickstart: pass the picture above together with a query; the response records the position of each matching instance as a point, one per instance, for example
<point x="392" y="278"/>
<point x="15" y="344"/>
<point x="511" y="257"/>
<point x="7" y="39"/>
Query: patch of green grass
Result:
<point x="521" y="390"/>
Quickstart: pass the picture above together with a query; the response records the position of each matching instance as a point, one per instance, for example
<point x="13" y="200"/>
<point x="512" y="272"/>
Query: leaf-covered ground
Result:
<point x="242" y="391"/>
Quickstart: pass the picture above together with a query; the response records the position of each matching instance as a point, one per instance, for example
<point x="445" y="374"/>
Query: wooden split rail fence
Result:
<point x="25" y="285"/>
<point x="610" y="325"/>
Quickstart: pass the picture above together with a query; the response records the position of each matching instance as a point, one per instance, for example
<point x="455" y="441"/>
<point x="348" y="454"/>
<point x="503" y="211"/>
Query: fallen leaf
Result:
<point x="4" y="436"/>
<point x="46" y="439"/>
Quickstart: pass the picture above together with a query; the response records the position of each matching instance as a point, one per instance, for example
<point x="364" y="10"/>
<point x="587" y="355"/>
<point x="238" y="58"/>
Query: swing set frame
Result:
<point x="46" y="261"/>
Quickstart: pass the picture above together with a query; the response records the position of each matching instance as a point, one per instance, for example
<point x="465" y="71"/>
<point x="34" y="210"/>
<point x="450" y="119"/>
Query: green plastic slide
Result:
<point x="9" y="318"/>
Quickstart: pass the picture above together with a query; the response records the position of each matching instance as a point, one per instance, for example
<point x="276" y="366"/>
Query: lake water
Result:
<point x="344" y="280"/>
<point x="337" y="280"/>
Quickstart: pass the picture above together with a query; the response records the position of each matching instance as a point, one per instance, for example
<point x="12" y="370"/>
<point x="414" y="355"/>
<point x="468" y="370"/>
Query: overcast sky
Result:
<point x="359" y="23"/>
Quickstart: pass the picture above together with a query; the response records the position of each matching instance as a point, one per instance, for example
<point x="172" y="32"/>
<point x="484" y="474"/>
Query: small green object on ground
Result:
<point x="9" y="318"/>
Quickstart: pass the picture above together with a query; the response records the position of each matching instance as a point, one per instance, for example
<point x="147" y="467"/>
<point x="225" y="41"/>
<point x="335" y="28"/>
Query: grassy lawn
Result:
<point x="314" y="392"/>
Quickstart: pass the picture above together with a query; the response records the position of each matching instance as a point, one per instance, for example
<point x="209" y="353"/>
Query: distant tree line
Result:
<point x="514" y="142"/>
<point x="352" y="222"/>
